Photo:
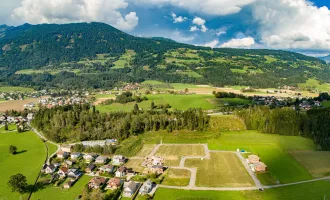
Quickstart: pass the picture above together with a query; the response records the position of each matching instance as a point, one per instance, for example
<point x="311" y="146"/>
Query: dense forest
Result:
<point x="313" y="124"/>
<point x="86" y="55"/>
<point x="80" y="122"/>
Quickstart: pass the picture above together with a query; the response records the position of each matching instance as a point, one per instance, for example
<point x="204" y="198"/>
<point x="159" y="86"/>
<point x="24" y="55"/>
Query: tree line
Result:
<point x="313" y="124"/>
<point x="81" y="123"/>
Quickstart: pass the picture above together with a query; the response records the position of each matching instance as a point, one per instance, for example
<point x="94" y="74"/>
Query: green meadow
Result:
<point x="182" y="102"/>
<point x="307" y="191"/>
<point x="54" y="193"/>
<point x="15" y="89"/>
<point x="28" y="161"/>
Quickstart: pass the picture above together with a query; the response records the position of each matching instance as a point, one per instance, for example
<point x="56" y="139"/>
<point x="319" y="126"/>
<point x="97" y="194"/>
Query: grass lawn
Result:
<point x="326" y="104"/>
<point x="31" y="156"/>
<point x="307" y="191"/>
<point x="316" y="162"/>
<point x="15" y="89"/>
<point x="222" y="170"/>
<point x="105" y="95"/>
<point x="51" y="148"/>
<point x="11" y="127"/>
<point x="177" y="177"/>
<point x="173" y="153"/>
<point x="273" y="151"/>
<point x="135" y="164"/>
<point x="182" y="102"/>
<point x="55" y="193"/>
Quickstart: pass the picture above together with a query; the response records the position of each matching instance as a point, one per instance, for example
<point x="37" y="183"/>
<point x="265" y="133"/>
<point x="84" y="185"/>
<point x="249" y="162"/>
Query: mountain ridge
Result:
<point x="53" y="54"/>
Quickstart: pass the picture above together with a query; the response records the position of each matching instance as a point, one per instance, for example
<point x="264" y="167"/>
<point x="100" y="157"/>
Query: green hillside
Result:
<point x="96" y="55"/>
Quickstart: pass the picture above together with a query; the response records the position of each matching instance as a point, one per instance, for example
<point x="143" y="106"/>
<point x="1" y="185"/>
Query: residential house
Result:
<point x="113" y="184"/>
<point x="259" y="167"/>
<point x="101" y="160"/>
<point x="130" y="172"/>
<point x="75" y="155"/>
<point x="74" y="173"/>
<point x="30" y="116"/>
<point x="129" y="188"/>
<point x="68" y="185"/>
<point x="96" y="182"/>
<point x="253" y="159"/>
<point x="121" y="172"/>
<point x="118" y="160"/>
<point x="49" y="169"/>
<point x="63" y="171"/>
<point x="146" y="187"/>
<point x="68" y="163"/>
<point x="89" y="157"/>
<point x="90" y="168"/>
<point x="62" y="154"/>
<point x="66" y="148"/>
<point x="107" y="168"/>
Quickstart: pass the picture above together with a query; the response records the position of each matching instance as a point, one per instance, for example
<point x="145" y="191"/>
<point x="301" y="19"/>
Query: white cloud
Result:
<point x="292" y="24"/>
<point x="178" y="19"/>
<point x="239" y="43"/>
<point x="205" y="7"/>
<point x="212" y="44"/>
<point x="193" y="28"/>
<point x="66" y="11"/>
<point x="199" y="22"/>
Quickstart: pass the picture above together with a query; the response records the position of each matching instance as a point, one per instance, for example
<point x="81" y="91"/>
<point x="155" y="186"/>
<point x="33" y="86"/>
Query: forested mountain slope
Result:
<point x="96" y="55"/>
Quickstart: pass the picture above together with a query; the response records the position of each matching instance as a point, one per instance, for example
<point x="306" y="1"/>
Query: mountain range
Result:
<point x="96" y="55"/>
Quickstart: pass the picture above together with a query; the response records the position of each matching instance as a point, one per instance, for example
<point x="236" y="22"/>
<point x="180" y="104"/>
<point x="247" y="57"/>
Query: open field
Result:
<point x="15" y="104"/>
<point x="182" y="102"/>
<point x="273" y="151"/>
<point x="316" y="162"/>
<point x="179" y="137"/>
<point x="222" y="170"/>
<point x="308" y="191"/>
<point x="51" y="71"/>
<point x="135" y="164"/>
<point x="54" y="193"/>
<point x="313" y="83"/>
<point x="124" y="60"/>
<point x="326" y="104"/>
<point x="15" y="89"/>
<point x="146" y="150"/>
<point x="173" y="153"/>
<point x="177" y="177"/>
<point x="28" y="161"/>
<point x="226" y="123"/>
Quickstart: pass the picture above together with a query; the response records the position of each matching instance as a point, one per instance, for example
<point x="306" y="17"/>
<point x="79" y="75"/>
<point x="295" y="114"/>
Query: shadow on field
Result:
<point x="20" y="152"/>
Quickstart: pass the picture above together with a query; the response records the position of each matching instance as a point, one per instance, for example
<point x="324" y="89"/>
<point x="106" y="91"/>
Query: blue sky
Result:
<point x="296" y="25"/>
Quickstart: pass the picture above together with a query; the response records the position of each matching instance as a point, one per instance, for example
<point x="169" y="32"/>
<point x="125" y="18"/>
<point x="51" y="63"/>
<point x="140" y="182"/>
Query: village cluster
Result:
<point x="60" y="101"/>
<point x="108" y="173"/>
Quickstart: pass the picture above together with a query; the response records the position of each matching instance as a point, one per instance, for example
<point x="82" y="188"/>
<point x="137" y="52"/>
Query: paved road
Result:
<point x="248" y="169"/>
<point x="40" y="135"/>
<point x="297" y="183"/>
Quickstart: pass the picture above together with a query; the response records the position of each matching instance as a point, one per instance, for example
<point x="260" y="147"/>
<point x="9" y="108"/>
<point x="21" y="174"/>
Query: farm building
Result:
<point x="259" y="167"/>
